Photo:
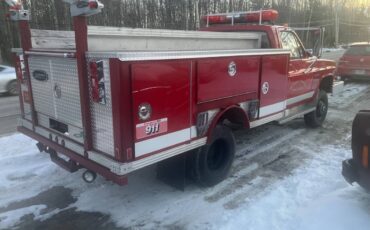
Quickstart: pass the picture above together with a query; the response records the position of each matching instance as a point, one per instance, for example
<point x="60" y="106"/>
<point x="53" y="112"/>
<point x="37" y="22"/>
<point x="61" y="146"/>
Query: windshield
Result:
<point x="358" y="51"/>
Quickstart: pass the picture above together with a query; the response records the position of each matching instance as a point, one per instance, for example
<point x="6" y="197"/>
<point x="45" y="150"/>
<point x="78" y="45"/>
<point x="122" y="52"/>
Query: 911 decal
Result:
<point x="151" y="128"/>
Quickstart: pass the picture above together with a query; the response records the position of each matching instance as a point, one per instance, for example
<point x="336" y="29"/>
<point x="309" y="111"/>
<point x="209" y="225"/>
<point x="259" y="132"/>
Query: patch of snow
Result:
<point x="10" y="218"/>
<point x="350" y="93"/>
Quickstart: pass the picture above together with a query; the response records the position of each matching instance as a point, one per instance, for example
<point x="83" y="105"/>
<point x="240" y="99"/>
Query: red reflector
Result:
<point x="93" y="5"/>
<point x="94" y="81"/>
<point x="26" y="97"/>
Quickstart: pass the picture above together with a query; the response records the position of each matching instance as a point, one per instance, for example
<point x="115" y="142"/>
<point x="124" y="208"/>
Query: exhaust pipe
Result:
<point x="89" y="176"/>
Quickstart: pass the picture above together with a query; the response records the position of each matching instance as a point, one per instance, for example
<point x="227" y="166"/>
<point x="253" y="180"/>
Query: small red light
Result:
<point x="253" y="16"/>
<point x="93" y="5"/>
<point x="94" y="81"/>
<point x="26" y="97"/>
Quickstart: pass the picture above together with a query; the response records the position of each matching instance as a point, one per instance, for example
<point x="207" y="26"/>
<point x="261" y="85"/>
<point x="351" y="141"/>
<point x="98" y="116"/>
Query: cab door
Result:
<point x="300" y="75"/>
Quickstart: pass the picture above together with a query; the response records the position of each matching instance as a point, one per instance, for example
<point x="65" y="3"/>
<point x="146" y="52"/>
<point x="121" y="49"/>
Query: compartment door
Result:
<point x="162" y="89"/>
<point x="273" y="86"/>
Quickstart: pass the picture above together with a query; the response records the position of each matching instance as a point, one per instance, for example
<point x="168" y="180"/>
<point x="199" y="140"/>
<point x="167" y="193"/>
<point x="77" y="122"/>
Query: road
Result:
<point x="9" y="112"/>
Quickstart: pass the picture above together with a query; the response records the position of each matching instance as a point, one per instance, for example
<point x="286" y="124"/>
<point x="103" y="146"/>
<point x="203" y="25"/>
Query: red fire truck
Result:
<point x="115" y="100"/>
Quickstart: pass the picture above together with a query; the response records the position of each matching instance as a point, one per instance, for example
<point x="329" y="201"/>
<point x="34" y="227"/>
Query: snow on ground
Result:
<point x="349" y="95"/>
<point x="299" y="187"/>
<point x="332" y="49"/>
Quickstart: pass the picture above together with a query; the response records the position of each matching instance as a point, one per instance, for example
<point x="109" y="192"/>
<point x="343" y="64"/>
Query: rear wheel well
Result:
<point x="235" y="116"/>
<point x="326" y="84"/>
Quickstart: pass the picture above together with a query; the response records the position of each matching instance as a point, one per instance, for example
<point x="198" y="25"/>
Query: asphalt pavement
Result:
<point x="9" y="113"/>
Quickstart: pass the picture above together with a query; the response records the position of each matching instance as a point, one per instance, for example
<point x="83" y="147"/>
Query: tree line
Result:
<point x="353" y="17"/>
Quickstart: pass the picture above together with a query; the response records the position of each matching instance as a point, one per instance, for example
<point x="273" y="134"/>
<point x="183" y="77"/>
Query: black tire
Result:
<point x="12" y="88"/>
<point x="317" y="117"/>
<point x="212" y="163"/>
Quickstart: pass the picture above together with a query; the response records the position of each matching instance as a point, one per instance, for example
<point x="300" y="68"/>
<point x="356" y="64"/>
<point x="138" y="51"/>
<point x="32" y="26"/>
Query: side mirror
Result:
<point x="309" y="52"/>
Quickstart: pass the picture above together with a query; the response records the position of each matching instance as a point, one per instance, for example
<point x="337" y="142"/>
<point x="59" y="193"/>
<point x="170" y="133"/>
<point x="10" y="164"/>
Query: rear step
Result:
<point x="70" y="165"/>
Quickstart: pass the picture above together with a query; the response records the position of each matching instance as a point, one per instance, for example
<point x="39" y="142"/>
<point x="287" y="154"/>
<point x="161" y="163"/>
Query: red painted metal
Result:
<point x="274" y="72"/>
<point x="19" y="80"/>
<point x="214" y="81"/>
<point x="88" y="164"/>
<point x="355" y="62"/>
<point x="240" y="17"/>
<point x="80" y="28"/>
<point x="25" y="35"/>
<point x="121" y="107"/>
<point x="165" y="85"/>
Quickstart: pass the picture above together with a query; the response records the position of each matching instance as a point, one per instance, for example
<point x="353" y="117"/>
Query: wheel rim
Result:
<point x="217" y="155"/>
<point x="13" y="88"/>
<point x="322" y="109"/>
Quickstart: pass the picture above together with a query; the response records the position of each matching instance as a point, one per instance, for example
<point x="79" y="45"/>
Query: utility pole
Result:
<point x="336" y="25"/>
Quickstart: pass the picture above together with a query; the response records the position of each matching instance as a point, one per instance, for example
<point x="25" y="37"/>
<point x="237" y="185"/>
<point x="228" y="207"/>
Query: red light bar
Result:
<point x="240" y="17"/>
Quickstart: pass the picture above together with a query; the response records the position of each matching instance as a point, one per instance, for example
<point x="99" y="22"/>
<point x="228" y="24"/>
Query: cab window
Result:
<point x="290" y="42"/>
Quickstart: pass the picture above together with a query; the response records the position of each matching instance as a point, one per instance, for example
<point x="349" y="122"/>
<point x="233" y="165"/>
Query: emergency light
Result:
<point x="241" y="17"/>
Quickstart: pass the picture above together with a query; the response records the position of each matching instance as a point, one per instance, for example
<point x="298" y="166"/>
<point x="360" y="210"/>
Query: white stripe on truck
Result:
<point x="161" y="142"/>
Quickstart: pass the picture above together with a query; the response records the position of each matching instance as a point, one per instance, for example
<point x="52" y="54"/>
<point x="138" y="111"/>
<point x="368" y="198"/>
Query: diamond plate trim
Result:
<point x="61" y="72"/>
<point x="102" y="118"/>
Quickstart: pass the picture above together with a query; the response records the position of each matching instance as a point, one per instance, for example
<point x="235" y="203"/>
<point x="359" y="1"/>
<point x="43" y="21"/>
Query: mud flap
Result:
<point x="173" y="171"/>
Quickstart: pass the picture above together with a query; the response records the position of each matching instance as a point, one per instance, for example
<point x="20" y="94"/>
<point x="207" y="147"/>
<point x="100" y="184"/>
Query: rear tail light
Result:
<point x="98" y="93"/>
<point x="93" y="5"/>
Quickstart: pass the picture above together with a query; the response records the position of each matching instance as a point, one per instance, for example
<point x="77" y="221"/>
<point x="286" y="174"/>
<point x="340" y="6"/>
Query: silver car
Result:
<point x="8" y="80"/>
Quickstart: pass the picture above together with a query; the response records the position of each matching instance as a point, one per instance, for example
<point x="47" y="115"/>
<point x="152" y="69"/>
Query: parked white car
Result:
<point x="8" y="80"/>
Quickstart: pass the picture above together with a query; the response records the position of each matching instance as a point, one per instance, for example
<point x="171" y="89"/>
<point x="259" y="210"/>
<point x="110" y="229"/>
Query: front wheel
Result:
<point x="316" y="118"/>
<point x="212" y="162"/>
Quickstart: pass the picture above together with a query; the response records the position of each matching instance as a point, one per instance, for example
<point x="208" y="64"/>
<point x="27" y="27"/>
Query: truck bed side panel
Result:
<point x="165" y="86"/>
<point x="215" y="82"/>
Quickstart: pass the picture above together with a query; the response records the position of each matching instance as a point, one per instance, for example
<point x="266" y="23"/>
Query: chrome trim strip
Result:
<point x="125" y="168"/>
<point x="50" y="54"/>
<point x="168" y="55"/>
<point x="299" y="98"/>
<point x="266" y="120"/>
<point x="274" y="108"/>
